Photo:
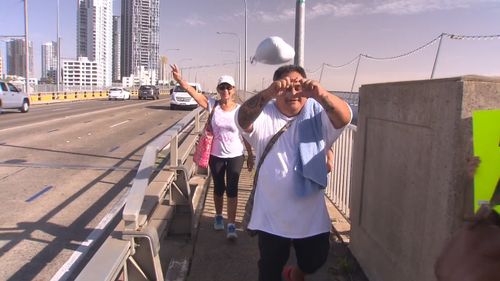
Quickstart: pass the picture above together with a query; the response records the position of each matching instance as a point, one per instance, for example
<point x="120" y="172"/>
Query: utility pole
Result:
<point x="26" y="45"/>
<point x="245" y="62"/>
<point x="58" y="74"/>
<point x="299" y="32"/>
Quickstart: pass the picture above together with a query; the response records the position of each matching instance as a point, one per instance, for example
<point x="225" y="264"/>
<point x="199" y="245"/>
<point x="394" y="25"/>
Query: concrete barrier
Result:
<point x="410" y="190"/>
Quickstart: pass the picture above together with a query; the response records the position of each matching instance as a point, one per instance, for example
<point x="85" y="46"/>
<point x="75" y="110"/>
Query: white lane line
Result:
<point x="118" y="124"/>
<point x="92" y="113"/>
<point x="65" y="271"/>
<point x="61" y="108"/>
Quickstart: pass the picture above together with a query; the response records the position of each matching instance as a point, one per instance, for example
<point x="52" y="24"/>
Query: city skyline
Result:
<point x="336" y="32"/>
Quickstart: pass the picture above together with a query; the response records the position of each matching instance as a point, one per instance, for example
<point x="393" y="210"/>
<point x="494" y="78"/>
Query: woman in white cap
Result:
<point x="226" y="157"/>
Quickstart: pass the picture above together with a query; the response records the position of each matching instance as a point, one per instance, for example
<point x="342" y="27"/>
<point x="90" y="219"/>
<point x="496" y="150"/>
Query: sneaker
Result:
<point x="219" y="222"/>
<point x="231" y="231"/>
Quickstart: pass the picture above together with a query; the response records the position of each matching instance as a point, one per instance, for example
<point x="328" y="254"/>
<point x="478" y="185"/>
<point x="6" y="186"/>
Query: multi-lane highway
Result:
<point x="63" y="168"/>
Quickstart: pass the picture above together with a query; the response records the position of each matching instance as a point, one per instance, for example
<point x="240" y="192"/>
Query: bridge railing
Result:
<point x="161" y="188"/>
<point x="338" y="189"/>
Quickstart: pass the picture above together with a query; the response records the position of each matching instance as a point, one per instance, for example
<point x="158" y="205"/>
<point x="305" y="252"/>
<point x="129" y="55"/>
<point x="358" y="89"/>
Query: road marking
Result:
<point x="118" y="124"/>
<point x="114" y="148"/>
<point x="61" y="108"/>
<point x="40" y="193"/>
<point x="72" y="263"/>
<point x="92" y="113"/>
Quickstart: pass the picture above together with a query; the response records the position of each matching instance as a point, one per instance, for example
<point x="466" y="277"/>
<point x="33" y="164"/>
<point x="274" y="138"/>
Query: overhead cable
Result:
<point x="472" y="37"/>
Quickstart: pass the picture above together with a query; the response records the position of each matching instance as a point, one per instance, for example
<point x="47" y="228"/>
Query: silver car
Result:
<point x="12" y="98"/>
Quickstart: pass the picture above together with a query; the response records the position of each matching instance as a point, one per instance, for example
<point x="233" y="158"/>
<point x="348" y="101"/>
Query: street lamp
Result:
<point x="26" y="45"/>
<point x="58" y="52"/>
<point x="239" y="55"/>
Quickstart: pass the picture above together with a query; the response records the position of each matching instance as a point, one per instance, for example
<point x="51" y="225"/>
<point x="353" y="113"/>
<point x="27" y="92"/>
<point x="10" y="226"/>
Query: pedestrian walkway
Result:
<point x="218" y="259"/>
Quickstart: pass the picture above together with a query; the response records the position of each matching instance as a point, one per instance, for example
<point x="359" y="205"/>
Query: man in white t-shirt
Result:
<point x="289" y="207"/>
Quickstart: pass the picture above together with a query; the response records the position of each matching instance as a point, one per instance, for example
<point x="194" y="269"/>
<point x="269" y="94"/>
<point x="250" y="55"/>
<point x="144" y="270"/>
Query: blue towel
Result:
<point x="312" y="160"/>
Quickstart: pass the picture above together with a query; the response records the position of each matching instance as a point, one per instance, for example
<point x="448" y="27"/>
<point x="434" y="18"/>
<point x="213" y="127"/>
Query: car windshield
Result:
<point x="115" y="89"/>
<point x="145" y="87"/>
<point x="179" y="89"/>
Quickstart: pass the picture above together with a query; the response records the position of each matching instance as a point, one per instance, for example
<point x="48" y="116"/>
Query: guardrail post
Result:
<point x="174" y="151"/>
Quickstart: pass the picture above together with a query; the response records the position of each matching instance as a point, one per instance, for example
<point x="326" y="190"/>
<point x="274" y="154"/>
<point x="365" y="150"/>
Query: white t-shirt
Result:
<point x="279" y="208"/>
<point x="227" y="141"/>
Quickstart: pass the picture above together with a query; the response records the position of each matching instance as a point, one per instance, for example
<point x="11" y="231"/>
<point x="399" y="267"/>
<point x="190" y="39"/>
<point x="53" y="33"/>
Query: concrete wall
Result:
<point x="409" y="184"/>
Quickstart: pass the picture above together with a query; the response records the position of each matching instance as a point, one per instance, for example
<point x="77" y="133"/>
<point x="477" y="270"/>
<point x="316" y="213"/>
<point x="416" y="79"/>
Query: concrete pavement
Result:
<point x="217" y="259"/>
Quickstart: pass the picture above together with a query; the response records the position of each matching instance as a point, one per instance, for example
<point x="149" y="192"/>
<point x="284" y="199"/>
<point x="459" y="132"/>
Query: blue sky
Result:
<point x="336" y="32"/>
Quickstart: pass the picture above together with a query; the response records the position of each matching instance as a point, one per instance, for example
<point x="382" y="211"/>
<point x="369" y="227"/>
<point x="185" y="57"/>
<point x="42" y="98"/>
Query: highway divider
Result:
<point x="52" y="97"/>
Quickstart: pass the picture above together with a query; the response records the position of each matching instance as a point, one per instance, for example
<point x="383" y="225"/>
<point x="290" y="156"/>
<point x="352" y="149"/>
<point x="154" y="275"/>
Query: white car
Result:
<point x="13" y="98"/>
<point x="118" y="94"/>
<point x="181" y="98"/>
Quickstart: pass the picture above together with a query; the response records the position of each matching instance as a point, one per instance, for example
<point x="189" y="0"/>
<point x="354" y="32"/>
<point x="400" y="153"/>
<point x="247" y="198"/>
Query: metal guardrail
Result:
<point x="49" y="97"/>
<point x="146" y="168"/>
<point x="132" y="251"/>
<point x="338" y="189"/>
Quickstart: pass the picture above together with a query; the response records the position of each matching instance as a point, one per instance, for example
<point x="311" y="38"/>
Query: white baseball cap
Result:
<point x="226" y="79"/>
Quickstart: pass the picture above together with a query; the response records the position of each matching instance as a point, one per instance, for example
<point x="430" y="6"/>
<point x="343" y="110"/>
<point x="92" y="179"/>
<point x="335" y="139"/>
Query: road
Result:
<point x="63" y="168"/>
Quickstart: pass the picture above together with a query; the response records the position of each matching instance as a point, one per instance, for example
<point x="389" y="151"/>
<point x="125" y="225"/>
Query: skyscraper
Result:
<point x="116" y="48"/>
<point x="49" y="61"/>
<point x="1" y="65"/>
<point x="95" y="35"/>
<point x="140" y="36"/>
<point x="16" y="61"/>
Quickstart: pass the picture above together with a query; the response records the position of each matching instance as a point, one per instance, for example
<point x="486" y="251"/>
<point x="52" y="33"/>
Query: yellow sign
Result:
<point x="486" y="133"/>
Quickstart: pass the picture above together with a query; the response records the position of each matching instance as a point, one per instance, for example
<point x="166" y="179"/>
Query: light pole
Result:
<point x="185" y="59"/>
<point x="239" y="54"/>
<point x="299" y="32"/>
<point x="26" y="45"/>
<point x="58" y="51"/>
<point x="245" y="62"/>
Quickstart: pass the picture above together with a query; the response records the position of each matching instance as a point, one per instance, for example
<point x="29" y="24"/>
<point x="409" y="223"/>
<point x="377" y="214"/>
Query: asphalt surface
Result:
<point x="63" y="169"/>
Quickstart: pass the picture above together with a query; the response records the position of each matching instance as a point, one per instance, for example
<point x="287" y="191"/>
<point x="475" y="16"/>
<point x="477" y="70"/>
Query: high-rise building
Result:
<point x="81" y="72"/>
<point x="95" y="35"/>
<point x="116" y="48"/>
<point x="140" y="36"/>
<point x="49" y="62"/>
<point x="16" y="59"/>
<point x="164" y="69"/>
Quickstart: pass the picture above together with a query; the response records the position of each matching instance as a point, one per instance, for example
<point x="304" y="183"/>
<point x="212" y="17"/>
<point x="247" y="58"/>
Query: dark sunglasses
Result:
<point x="223" y="87"/>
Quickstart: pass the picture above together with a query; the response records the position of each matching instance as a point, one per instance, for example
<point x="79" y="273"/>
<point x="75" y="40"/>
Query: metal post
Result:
<point x="245" y="62"/>
<point x="299" y="32"/>
<point x="437" y="55"/>
<point x="356" y="72"/>
<point x="239" y="54"/>
<point x="26" y="45"/>
<point x="58" y="74"/>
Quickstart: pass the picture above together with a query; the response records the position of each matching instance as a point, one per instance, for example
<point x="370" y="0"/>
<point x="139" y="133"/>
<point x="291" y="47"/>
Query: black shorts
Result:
<point x="311" y="253"/>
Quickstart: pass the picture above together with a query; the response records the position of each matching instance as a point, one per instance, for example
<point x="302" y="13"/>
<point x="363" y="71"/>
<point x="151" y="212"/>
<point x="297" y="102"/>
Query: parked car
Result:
<point x="181" y="98"/>
<point x="12" y="98"/>
<point x="118" y="93"/>
<point x="149" y="91"/>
